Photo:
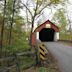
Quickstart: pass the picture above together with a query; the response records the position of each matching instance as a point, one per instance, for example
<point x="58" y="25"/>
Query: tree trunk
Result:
<point x="10" y="34"/>
<point x="2" y="30"/>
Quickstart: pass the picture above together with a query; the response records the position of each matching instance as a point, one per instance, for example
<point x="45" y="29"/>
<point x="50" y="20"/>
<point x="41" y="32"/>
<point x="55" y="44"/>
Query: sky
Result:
<point x="47" y="14"/>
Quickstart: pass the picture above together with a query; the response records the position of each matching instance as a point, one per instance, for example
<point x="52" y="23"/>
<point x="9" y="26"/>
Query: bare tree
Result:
<point x="40" y="5"/>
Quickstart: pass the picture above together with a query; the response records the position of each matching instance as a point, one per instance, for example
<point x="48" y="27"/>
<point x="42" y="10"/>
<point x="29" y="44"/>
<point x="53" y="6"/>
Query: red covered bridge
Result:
<point x="47" y="31"/>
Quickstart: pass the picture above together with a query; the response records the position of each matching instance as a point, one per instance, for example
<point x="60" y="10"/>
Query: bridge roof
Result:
<point x="43" y="25"/>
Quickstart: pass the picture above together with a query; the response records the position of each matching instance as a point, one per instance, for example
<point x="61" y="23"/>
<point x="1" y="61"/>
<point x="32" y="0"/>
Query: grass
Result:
<point x="42" y="69"/>
<point x="65" y="36"/>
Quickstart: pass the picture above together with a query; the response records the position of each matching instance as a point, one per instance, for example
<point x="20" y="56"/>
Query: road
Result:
<point x="62" y="53"/>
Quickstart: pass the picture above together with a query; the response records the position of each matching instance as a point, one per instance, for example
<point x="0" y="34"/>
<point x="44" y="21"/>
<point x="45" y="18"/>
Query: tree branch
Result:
<point x="44" y="8"/>
<point x="35" y="13"/>
<point x="39" y="15"/>
<point x="27" y="9"/>
<point x="36" y="9"/>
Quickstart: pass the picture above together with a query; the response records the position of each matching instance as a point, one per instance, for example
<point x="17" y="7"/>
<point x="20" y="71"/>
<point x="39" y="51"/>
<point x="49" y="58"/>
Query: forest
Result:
<point x="16" y="28"/>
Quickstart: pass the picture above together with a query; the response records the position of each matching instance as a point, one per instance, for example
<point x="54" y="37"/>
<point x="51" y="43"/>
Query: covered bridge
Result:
<point x="47" y="31"/>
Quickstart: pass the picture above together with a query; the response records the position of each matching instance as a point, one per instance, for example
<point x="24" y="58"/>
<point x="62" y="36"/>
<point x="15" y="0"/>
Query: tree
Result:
<point x="38" y="7"/>
<point x="8" y="17"/>
<point x="60" y="19"/>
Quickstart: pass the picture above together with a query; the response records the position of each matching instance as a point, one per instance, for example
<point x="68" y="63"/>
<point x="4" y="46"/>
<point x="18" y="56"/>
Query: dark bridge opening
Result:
<point x="46" y="34"/>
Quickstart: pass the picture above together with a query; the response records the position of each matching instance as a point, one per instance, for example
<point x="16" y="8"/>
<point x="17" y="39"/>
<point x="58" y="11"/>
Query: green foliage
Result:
<point x="60" y="19"/>
<point x="56" y="1"/>
<point x="18" y="37"/>
<point x="42" y="69"/>
<point x="49" y="1"/>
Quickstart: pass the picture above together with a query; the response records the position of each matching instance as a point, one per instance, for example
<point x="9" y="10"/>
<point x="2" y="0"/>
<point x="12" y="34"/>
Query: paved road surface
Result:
<point x="63" y="54"/>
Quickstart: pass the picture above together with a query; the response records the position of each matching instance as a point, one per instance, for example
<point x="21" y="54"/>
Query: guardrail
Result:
<point x="42" y="51"/>
<point x="15" y="58"/>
